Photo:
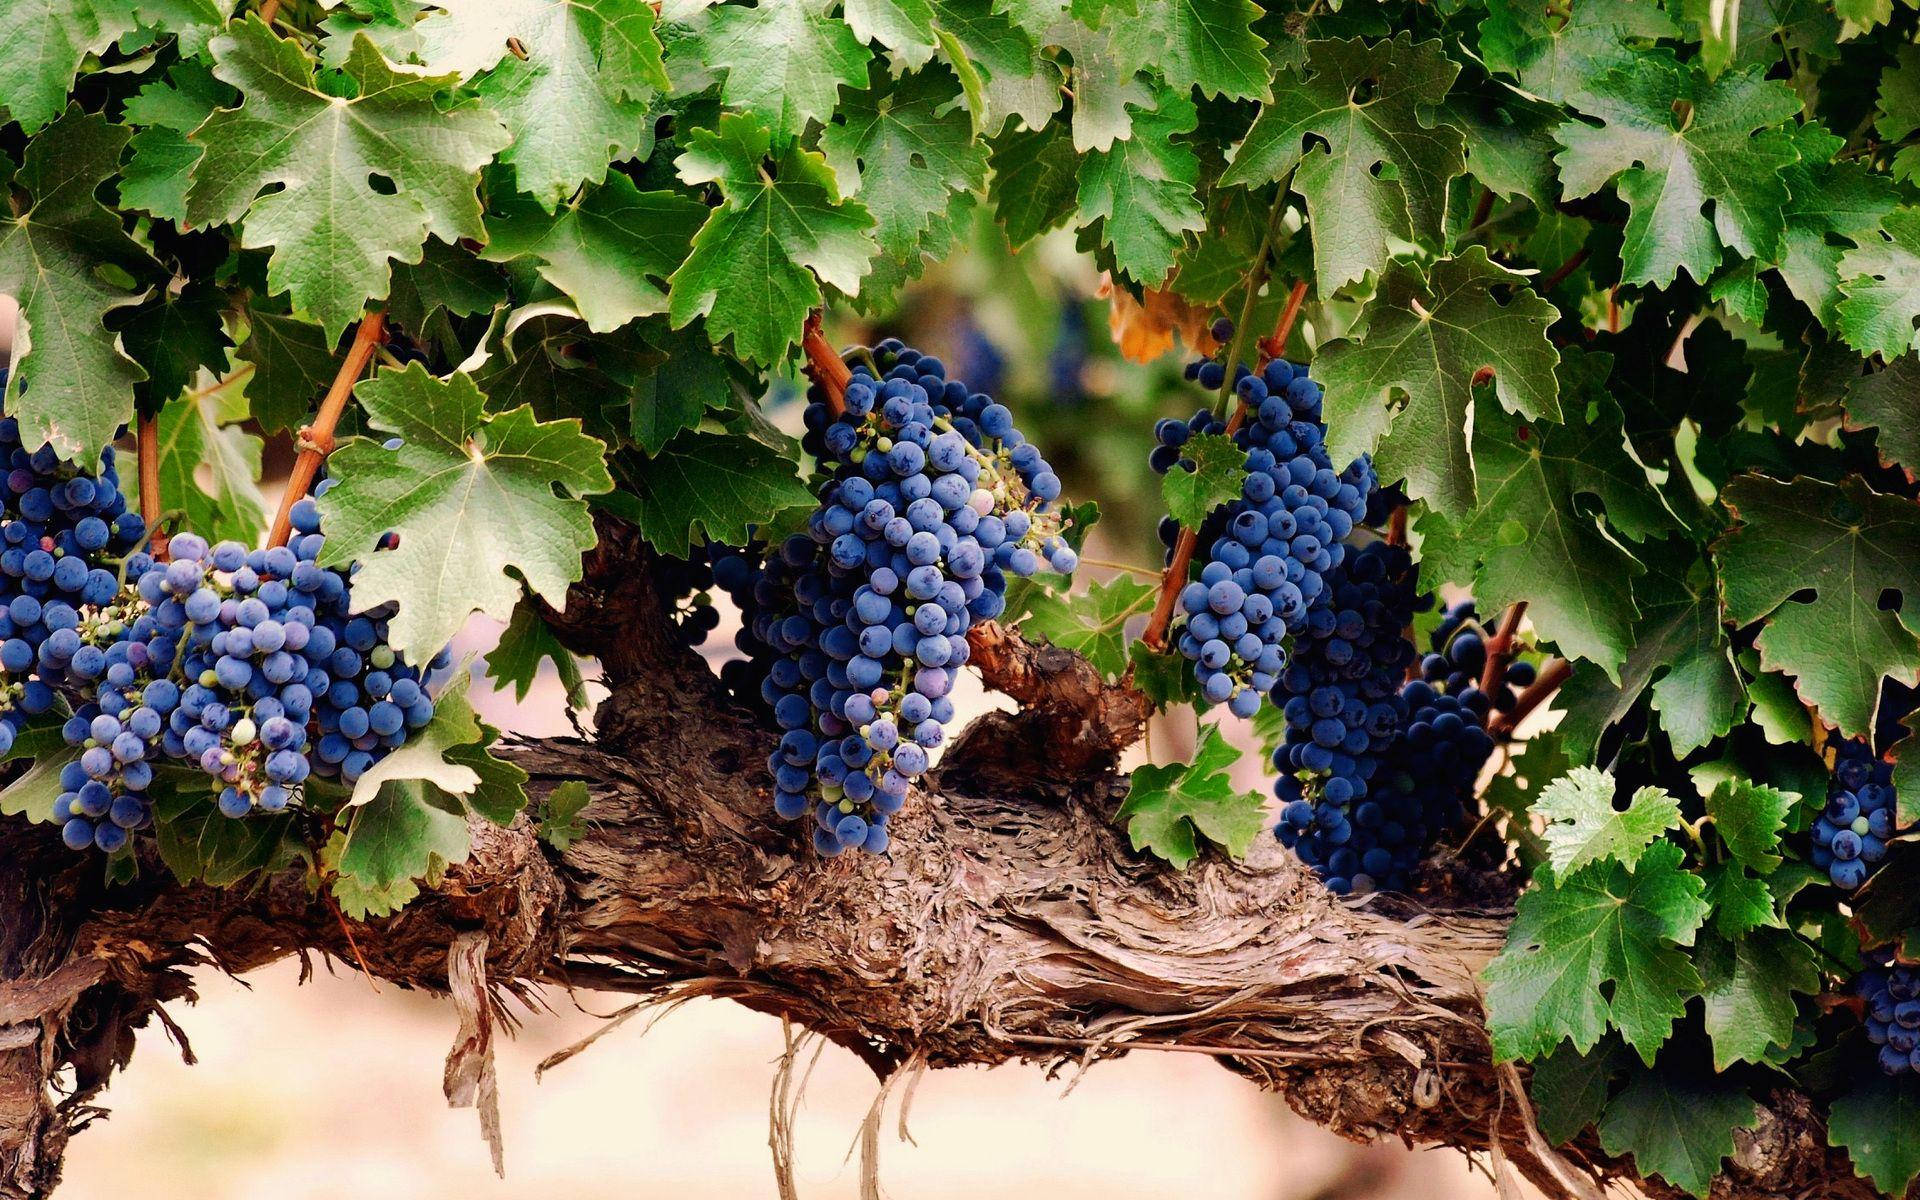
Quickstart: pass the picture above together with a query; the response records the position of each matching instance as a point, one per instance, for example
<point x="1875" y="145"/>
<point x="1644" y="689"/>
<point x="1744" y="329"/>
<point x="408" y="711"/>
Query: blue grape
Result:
<point x="1849" y="837"/>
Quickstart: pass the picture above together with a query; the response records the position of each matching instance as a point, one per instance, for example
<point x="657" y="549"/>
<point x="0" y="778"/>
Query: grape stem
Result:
<point x="1155" y="634"/>
<point x="316" y="440"/>
<point x="1538" y="692"/>
<point x="147" y="450"/>
<point x="824" y="367"/>
<point x="1500" y="647"/>
<point x="1118" y="566"/>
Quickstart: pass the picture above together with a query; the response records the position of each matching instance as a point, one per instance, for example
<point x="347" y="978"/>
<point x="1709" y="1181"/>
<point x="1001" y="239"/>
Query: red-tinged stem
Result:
<point x="1560" y="273"/>
<point x="1397" y="526"/>
<point x="316" y="440"/>
<point x="147" y="449"/>
<point x="1500" y="647"/>
<point x="1155" y="634"/>
<point x="1538" y="692"/>
<point x="1482" y="210"/>
<point x="269" y="9"/>
<point x="824" y="367"/>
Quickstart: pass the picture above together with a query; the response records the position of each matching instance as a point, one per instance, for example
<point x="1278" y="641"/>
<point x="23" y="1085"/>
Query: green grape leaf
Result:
<point x="1897" y="115"/>
<point x="1557" y="55"/>
<point x="1584" y="827"/>
<point x="1208" y="44"/>
<point x="1034" y="185"/>
<point x="903" y="157"/>
<point x="1427" y="336"/>
<point x="446" y="278"/>
<point x="33" y="792"/>
<point x="1377" y="171"/>
<point x="1678" y="143"/>
<point x="712" y="487"/>
<point x="470" y="494"/>
<point x="1741" y="902"/>
<point x="332" y="235"/>
<point x="1677" y="1126"/>
<point x="1827" y="201"/>
<point x="1880" y="288"/>
<point x="175" y="334"/>
<point x="70" y="383"/>
<point x="1877" y="1122"/>
<point x="427" y="753"/>
<point x="526" y="642"/>
<point x="1169" y="809"/>
<point x="784" y="61"/>
<point x="200" y="844"/>
<point x="1142" y="190"/>
<point x="598" y="62"/>
<point x="1750" y="818"/>
<point x="1166" y="678"/>
<point x="1678" y="649"/>
<point x="407" y="832"/>
<point x="1889" y="401"/>
<point x="1849" y="545"/>
<point x="1219" y="469"/>
<point x="904" y="27"/>
<point x="208" y="466"/>
<point x="1105" y="90"/>
<point x="1570" y="1088"/>
<point x="501" y="793"/>
<point x="1093" y="622"/>
<point x="1001" y="72"/>
<point x="1748" y="991"/>
<point x="753" y="267"/>
<point x="1532" y="766"/>
<point x="610" y="249"/>
<point x="293" y="362"/>
<point x="155" y="178"/>
<point x="565" y="819"/>
<point x="1602" y="925"/>
<point x="48" y="40"/>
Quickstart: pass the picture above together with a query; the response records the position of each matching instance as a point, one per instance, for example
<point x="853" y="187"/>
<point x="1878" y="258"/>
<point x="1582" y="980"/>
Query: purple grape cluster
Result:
<point x="1892" y="993"/>
<point x="932" y="500"/>
<point x="1850" y="835"/>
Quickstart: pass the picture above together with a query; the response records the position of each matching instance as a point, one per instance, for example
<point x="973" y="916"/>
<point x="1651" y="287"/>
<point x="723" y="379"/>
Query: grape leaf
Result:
<point x="33" y="792"/>
<point x="1602" y="925"/>
<point x="174" y="334"/>
<point x="199" y="843"/>
<point x="1827" y="201"/>
<point x="427" y="753"/>
<point x="1880" y="287"/>
<point x="784" y="61"/>
<point x="895" y="150"/>
<point x="407" y="831"/>
<point x="1740" y="901"/>
<point x="446" y="278"/>
<point x="1583" y="826"/>
<point x="1897" y="115"/>
<point x="471" y="494"/>
<point x="1678" y="143"/>
<point x="751" y="273"/>
<point x="1208" y="44"/>
<point x="1555" y="55"/>
<point x="524" y="644"/>
<point x="605" y="248"/>
<point x="1748" y="991"/>
<point x="70" y="384"/>
<point x="975" y="36"/>
<point x="332" y="234"/>
<point x="1105" y="89"/>
<point x="1570" y="1088"/>
<point x="501" y="794"/>
<point x="1677" y="1126"/>
<point x="711" y="487"/>
<point x="1679" y="649"/>
<point x="1377" y="171"/>
<point x="1427" y="336"/>
<point x="1750" y="817"/>
<point x="1169" y="809"/>
<point x="904" y="27"/>
<point x="48" y="40"/>
<point x="1142" y="190"/>
<point x="1219" y="469"/>
<point x="207" y="470"/>
<point x="1889" y="400"/>
<point x="1877" y="1122"/>
<point x="1093" y="622"/>
<point x="293" y="362"/>
<point x="1850" y="546"/>
<point x="596" y="61"/>
<point x="564" y="822"/>
<point x="156" y="177"/>
<point x="1034" y="186"/>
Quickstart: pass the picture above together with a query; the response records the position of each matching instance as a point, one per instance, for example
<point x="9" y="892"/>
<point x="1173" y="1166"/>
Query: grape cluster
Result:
<point x="1892" y="993"/>
<point x="1850" y="835"/>
<point x="932" y="500"/>
<point x="1270" y="551"/>
<point x="247" y="664"/>
<point x="1373" y="768"/>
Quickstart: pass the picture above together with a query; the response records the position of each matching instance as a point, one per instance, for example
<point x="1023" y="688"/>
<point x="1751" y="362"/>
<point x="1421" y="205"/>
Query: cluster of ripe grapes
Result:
<point x="1892" y="995"/>
<point x="1850" y="835"/>
<point x="248" y="665"/>
<point x="1269" y="551"/>
<point x="932" y="499"/>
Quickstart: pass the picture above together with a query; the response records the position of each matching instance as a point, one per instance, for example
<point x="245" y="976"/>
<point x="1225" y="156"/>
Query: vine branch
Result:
<point x="1500" y="647"/>
<point x="316" y="440"/>
<point x="1537" y="693"/>
<point x="147" y="452"/>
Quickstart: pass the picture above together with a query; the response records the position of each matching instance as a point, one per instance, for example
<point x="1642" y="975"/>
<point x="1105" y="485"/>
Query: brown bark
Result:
<point x="1005" y="924"/>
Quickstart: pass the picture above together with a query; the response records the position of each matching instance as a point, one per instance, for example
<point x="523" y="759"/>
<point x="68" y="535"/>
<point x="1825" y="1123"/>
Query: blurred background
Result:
<point x="332" y="1088"/>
